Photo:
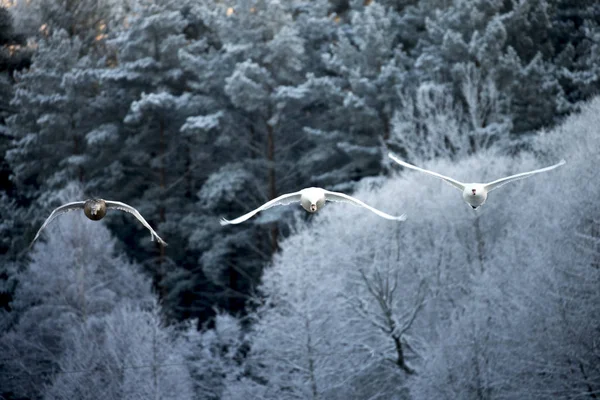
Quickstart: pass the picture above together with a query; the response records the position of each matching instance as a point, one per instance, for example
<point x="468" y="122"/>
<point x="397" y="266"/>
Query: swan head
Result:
<point x="94" y="209"/>
<point x="313" y="207"/>
<point x="474" y="191"/>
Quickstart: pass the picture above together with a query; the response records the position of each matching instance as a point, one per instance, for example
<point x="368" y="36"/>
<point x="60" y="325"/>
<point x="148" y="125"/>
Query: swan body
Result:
<point x="475" y="194"/>
<point x="95" y="209"/>
<point x="311" y="199"/>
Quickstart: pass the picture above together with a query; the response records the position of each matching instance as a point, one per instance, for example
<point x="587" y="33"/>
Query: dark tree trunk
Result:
<point x="77" y="150"/>
<point x="400" y="361"/>
<point x="480" y="244"/>
<point x="162" y="183"/>
<point x="386" y="126"/>
<point x="80" y="175"/>
<point x="272" y="182"/>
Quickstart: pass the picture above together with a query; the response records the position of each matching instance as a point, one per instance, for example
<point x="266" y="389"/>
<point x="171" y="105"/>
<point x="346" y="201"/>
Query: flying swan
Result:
<point x="475" y="194"/>
<point x="95" y="209"/>
<point x="311" y="199"/>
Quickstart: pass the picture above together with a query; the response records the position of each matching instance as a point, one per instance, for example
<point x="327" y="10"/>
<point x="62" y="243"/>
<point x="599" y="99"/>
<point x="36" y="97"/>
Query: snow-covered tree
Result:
<point x="215" y="356"/>
<point x="198" y="110"/>
<point x="333" y="324"/>
<point x="528" y="329"/>
<point x="497" y="304"/>
<point x="74" y="274"/>
<point x="557" y="331"/>
<point x="127" y="353"/>
<point x="431" y="123"/>
<point x="291" y="342"/>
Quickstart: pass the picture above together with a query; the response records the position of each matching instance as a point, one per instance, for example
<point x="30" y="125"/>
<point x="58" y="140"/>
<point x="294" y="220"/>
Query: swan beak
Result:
<point x="313" y="207"/>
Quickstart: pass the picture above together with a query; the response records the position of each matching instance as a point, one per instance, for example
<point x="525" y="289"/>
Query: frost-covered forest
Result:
<point x="193" y="110"/>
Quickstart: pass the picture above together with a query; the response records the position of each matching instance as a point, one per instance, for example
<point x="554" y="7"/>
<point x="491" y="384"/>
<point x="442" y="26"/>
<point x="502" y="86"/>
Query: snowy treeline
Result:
<point x="192" y="110"/>
<point x="85" y="324"/>
<point x="450" y="304"/>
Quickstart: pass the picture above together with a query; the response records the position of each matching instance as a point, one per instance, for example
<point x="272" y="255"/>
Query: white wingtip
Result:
<point x="158" y="239"/>
<point x="402" y="217"/>
<point x="224" y="222"/>
<point x="33" y="242"/>
<point x="562" y="162"/>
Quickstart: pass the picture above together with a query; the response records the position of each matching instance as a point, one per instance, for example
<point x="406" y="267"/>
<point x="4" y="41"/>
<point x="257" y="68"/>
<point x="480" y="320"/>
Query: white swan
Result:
<point x="311" y="199"/>
<point x="95" y="209"/>
<point x="475" y="194"/>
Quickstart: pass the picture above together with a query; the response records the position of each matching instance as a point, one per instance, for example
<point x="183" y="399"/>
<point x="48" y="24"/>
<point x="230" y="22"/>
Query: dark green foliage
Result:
<point x="197" y="110"/>
<point x="12" y="58"/>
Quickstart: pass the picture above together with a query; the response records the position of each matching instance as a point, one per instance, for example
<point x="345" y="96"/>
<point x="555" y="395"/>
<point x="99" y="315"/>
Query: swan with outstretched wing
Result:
<point x="311" y="199"/>
<point x="95" y="209"/>
<point x="475" y="194"/>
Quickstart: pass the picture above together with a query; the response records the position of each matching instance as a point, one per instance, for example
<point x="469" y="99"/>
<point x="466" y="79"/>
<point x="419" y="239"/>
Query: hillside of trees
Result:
<point x="451" y="304"/>
<point x="195" y="110"/>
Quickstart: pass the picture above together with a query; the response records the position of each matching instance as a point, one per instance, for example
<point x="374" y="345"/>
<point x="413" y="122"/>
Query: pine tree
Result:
<point x="366" y="68"/>
<point x="47" y="126"/>
<point x="13" y="57"/>
<point x="154" y="167"/>
<point x="575" y="37"/>
<point x="10" y="222"/>
<point x="86" y="20"/>
<point x="49" y="146"/>
<point x="246" y="136"/>
<point x="526" y="50"/>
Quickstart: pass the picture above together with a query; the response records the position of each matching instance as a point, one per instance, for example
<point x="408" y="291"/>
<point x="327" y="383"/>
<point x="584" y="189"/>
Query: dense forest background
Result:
<point x="192" y="110"/>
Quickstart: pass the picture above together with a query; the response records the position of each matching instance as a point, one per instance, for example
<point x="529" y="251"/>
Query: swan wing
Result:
<point x="65" y="208"/>
<point x="341" y="197"/>
<point x="503" y="181"/>
<point x="460" y="186"/>
<point x="117" y="205"/>
<point x="278" y="201"/>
